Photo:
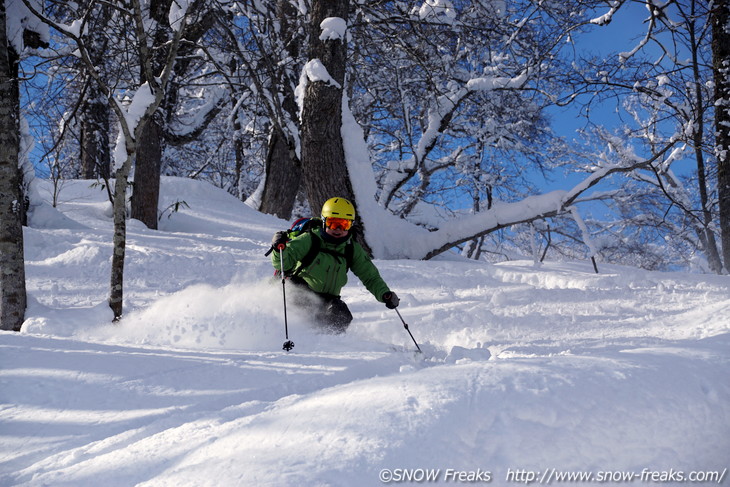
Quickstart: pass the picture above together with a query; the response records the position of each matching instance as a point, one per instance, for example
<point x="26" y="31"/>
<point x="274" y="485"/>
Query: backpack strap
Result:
<point x="349" y="253"/>
<point x="310" y="255"/>
<point x="316" y="248"/>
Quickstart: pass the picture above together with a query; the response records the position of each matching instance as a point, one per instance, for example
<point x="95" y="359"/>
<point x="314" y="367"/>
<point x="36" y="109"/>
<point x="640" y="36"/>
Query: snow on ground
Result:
<point x="529" y="372"/>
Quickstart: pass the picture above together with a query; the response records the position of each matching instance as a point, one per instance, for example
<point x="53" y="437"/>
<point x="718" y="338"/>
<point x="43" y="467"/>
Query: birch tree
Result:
<point x="17" y="30"/>
<point x="132" y="118"/>
<point x="12" y="273"/>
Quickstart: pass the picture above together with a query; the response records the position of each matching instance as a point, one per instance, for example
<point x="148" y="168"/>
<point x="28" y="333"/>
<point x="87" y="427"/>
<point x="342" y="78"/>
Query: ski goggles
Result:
<point x="338" y="223"/>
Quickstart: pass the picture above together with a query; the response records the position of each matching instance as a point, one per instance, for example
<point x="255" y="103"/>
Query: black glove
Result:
<point x="279" y="238"/>
<point x="391" y="300"/>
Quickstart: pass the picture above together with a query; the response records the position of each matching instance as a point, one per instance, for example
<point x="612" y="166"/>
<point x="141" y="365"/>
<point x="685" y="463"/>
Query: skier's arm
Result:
<point x="366" y="271"/>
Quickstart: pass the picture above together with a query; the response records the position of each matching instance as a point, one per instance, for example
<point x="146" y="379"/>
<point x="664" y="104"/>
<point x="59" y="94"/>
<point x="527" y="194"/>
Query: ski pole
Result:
<point x="405" y="325"/>
<point x="288" y="344"/>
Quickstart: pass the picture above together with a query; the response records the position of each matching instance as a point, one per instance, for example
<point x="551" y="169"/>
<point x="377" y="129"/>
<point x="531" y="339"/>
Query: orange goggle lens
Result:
<point x="338" y="223"/>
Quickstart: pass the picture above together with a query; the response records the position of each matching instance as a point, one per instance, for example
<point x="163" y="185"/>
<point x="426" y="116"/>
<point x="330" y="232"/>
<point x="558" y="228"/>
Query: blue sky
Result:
<point x="621" y="35"/>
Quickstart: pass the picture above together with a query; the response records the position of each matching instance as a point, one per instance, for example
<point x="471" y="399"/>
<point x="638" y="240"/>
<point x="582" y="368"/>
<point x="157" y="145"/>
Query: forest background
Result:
<point x="443" y="120"/>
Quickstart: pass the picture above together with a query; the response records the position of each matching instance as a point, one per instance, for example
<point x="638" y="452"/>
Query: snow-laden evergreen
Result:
<point x="527" y="369"/>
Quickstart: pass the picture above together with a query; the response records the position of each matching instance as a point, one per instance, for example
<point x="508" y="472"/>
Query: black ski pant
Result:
<point x="330" y="312"/>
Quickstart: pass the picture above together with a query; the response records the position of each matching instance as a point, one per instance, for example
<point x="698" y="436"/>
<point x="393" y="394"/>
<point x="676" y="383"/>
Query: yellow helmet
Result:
<point x="338" y="208"/>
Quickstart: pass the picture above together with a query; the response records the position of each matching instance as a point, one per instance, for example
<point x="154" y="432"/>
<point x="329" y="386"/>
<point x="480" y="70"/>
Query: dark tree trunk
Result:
<point x="148" y="160"/>
<point x="706" y="234"/>
<point x="283" y="167"/>
<point x="95" y="152"/>
<point x="146" y="189"/>
<point x="12" y="271"/>
<point x="239" y="154"/>
<point x="721" y="68"/>
<point x="323" y="157"/>
<point x="283" y="176"/>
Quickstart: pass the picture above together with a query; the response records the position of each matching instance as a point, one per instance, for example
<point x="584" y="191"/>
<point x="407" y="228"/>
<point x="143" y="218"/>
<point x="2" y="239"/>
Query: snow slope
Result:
<point x="529" y="372"/>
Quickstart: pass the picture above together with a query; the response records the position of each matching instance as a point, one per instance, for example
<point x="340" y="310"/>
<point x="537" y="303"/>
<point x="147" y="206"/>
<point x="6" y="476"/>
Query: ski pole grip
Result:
<point x="281" y="247"/>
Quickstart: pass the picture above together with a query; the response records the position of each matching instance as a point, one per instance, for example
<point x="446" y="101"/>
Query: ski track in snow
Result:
<point x="525" y="367"/>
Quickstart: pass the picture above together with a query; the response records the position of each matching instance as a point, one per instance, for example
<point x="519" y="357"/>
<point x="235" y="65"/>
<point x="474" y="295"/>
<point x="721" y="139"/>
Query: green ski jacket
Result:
<point x="327" y="274"/>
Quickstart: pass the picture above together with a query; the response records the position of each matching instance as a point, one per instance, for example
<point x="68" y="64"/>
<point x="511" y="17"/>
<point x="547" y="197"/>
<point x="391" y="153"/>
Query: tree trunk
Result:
<point x="283" y="176"/>
<point x="323" y="156"/>
<point x="148" y="160"/>
<point x="721" y="68"/>
<point x="116" y="293"/>
<point x="150" y="147"/>
<point x="95" y="152"/>
<point x="13" y="297"/>
<point x="146" y="192"/>
<point x="240" y="159"/>
<point x="283" y="167"/>
<point x="707" y="236"/>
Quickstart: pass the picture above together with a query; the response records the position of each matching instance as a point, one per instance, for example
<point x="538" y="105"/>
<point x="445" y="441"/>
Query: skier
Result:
<point x="326" y="273"/>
